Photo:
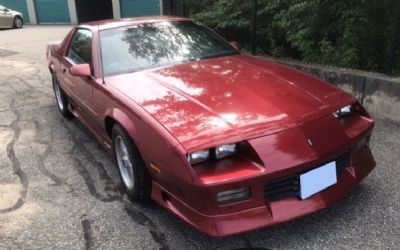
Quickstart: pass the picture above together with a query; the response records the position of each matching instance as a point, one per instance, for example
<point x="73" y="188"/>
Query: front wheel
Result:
<point x="18" y="22"/>
<point x="135" y="177"/>
<point x="61" y="99"/>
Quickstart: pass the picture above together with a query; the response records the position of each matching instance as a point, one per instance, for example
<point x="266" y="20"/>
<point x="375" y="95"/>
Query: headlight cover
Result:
<point x="345" y="111"/>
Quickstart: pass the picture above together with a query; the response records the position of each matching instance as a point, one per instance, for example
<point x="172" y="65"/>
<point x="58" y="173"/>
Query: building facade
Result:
<point x="78" y="11"/>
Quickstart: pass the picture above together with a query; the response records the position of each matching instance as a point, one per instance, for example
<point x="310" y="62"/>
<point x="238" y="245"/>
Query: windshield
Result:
<point x="2" y="7"/>
<point x="145" y="46"/>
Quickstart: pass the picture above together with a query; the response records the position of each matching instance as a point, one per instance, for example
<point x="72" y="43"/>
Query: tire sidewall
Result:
<point x="15" y="22"/>
<point x="140" y="190"/>
<point x="65" y="112"/>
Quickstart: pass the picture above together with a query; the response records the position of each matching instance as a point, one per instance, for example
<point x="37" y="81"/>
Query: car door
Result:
<point x="6" y="17"/>
<point x="79" y="89"/>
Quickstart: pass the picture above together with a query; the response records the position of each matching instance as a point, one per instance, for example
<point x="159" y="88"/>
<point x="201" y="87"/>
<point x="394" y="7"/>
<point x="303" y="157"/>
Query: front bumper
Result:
<point x="271" y="213"/>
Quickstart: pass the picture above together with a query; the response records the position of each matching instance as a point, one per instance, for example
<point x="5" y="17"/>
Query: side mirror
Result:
<point x="6" y="10"/>
<point x="235" y="45"/>
<point x="82" y="70"/>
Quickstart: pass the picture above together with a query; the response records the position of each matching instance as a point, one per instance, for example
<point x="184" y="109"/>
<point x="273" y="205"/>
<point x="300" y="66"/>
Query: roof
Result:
<point x="116" y="23"/>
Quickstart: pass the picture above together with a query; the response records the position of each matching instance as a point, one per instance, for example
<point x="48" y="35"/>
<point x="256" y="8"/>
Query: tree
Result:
<point x="361" y="34"/>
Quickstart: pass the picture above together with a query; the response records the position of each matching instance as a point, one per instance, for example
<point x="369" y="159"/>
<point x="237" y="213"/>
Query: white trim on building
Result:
<point x="31" y="11"/>
<point x="73" y="14"/>
<point x="116" y="5"/>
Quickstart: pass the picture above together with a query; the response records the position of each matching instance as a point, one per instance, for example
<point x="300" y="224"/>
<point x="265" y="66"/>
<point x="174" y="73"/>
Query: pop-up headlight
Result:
<point x="216" y="153"/>
<point x="225" y="150"/>
<point x="343" y="112"/>
<point x="198" y="156"/>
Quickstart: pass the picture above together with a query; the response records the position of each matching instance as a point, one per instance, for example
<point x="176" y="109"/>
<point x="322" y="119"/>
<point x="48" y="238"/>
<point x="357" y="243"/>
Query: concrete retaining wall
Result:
<point x="379" y="94"/>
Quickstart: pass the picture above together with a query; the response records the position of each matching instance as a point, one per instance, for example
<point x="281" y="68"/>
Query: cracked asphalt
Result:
<point x="60" y="190"/>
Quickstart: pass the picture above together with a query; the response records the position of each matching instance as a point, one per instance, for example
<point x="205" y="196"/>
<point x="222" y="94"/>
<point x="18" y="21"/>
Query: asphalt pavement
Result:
<point x="60" y="190"/>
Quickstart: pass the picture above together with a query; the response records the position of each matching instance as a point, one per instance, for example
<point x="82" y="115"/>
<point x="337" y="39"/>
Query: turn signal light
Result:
<point x="233" y="195"/>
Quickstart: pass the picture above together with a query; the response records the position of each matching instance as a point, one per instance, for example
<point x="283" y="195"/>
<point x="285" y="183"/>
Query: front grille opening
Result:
<point x="289" y="186"/>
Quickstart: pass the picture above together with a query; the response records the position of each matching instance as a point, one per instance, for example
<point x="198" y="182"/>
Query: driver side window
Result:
<point x="80" y="50"/>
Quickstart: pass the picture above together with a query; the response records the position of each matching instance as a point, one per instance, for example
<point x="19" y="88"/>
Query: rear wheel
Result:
<point x="18" y="22"/>
<point x="135" y="177"/>
<point x="61" y="98"/>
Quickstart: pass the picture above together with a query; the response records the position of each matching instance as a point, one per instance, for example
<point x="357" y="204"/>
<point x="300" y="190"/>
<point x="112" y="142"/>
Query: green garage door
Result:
<point x="132" y="8"/>
<point x="18" y="5"/>
<point x="52" y="11"/>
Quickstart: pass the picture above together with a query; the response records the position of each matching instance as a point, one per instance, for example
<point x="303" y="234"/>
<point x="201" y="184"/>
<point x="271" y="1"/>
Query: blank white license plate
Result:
<point x="317" y="180"/>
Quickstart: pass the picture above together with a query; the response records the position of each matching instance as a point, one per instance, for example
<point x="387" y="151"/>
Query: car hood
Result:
<point x="229" y="99"/>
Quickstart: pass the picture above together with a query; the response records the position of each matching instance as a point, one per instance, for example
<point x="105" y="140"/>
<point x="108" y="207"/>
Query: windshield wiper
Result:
<point x="191" y="59"/>
<point x="219" y="55"/>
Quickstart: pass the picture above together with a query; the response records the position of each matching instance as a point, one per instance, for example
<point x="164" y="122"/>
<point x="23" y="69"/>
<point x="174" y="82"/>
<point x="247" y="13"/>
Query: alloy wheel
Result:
<point x="18" y="22"/>
<point x="124" y="162"/>
<point x="58" y="96"/>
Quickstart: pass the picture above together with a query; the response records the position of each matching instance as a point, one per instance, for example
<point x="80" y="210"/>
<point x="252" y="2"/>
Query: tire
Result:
<point x="61" y="99"/>
<point x="135" y="178"/>
<point x="18" y="22"/>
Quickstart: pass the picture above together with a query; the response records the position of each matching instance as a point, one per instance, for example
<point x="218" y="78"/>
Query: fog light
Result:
<point x="233" y="195"/>
<point x="362" y="143"/>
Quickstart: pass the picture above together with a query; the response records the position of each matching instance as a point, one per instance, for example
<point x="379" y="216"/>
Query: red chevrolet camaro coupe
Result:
<point x="225" y="141"/>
